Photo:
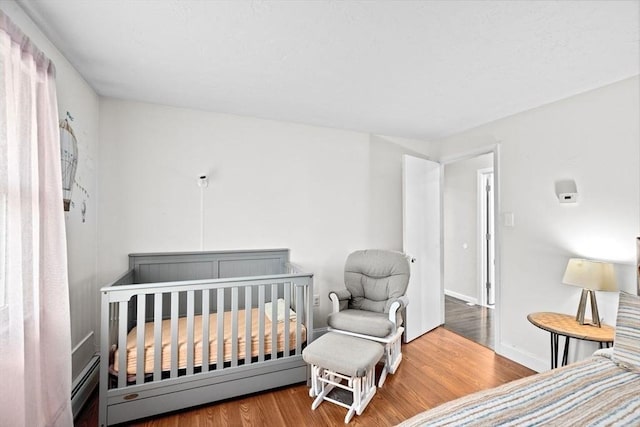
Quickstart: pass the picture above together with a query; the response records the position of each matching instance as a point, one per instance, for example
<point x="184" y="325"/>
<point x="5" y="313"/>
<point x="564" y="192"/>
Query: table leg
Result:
<point x="565" y="353"/>
<point x="554" y="350"/>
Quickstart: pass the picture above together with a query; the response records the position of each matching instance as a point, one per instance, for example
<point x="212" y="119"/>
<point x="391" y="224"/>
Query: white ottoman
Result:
<point x="346" y="362"/>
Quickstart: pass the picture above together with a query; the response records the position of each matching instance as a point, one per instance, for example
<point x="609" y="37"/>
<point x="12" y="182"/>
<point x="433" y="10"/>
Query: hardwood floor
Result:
<point x="437" y="367"/>
<point x="471" y="321"/>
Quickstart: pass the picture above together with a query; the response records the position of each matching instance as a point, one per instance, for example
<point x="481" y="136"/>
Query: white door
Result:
<point x="421" y="241"/>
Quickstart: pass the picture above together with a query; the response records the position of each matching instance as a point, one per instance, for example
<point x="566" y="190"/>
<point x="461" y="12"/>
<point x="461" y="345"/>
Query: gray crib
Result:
<point x="184" y="329"/>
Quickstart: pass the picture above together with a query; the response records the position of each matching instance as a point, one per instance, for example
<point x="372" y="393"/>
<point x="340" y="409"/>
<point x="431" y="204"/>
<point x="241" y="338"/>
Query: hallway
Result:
<point x="470" y="321"/>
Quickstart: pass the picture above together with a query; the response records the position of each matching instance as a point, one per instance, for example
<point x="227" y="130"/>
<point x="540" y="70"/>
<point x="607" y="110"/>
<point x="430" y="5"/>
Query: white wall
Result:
<point x="325" y="192"/>
<point x="592" y="138"/>
<point x="385" y="188"/>
<point x="460" y="221"/>
<point x="77" y="97"/>
<point x="320" y="192"/>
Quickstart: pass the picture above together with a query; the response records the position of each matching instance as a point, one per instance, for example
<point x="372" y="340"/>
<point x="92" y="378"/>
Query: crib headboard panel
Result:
<point x="178" y="266"/>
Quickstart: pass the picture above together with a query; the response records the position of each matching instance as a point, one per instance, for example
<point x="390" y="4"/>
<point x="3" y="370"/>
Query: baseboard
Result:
<point x="523" y="357"/>
<point x="84" y="384"/>
<point x="461" y="297"/>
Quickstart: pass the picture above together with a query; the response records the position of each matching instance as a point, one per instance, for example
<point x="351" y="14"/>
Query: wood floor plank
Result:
<point x="471" y="321"/>
<point x="437" y="367"/>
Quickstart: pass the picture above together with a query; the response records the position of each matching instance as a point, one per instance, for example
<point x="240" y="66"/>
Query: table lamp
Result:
<point x="591" y="276"/>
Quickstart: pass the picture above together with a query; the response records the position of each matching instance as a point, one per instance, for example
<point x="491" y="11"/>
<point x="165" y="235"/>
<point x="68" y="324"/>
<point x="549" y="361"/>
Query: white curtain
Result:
<point x="35" y="337"/>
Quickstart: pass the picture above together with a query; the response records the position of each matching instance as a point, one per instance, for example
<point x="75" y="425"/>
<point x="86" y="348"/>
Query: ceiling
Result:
<point x="420" y="69"/>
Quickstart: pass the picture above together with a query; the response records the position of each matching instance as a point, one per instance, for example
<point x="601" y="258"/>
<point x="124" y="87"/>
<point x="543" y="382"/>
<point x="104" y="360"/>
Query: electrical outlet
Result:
<point x="316" y="300"/>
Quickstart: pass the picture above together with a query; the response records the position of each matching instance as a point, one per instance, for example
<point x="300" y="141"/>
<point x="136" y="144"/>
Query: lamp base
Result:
<point x="582" y="308"/>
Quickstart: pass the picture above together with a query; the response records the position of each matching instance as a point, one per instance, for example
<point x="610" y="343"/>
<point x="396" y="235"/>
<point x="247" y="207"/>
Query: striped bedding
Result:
<point x="594" y="392"/>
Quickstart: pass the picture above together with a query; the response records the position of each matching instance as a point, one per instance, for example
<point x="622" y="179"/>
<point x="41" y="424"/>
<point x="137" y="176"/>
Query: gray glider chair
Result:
<point x="373" y="302"/>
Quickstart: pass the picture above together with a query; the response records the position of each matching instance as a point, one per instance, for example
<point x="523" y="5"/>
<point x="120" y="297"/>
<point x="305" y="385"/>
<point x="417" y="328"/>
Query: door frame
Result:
<point x="481" y="237"/>
<point x="465" y="155"/>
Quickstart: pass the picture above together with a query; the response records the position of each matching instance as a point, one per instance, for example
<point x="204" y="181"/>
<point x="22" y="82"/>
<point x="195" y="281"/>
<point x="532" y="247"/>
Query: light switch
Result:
<point x="509" y="220"/>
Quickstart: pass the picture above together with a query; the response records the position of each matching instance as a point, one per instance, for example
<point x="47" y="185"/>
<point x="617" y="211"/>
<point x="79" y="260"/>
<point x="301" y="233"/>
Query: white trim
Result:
<point x="481" y="253"/>
<point x="83" y="386"/>
<point x="81" y="343"/>
<point x="461" y="297"/>
<point x="497" y="314"/>
<point x="524" y="358"/>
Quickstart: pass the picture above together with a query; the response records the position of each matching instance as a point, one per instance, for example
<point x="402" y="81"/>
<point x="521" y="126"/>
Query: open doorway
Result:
<point x="469" y="248"/>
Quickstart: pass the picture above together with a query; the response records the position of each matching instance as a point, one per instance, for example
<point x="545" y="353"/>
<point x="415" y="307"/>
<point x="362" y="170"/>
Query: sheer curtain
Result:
<point x="35" y="341"/>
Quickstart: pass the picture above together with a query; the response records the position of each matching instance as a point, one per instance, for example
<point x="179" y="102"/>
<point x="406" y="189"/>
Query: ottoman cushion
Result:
<point x="344" y="354"/>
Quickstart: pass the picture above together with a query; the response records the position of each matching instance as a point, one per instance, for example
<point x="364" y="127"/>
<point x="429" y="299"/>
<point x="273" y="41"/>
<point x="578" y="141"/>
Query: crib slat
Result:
<point x="261" y="323"/>
<point x="122" y="344"/>
<point x="220" y="335"/>
<point x="234" y="326"/>
<point x="248" y="337"/>
<point x="113" y="323"/>
<point x="274" y="321"/>
<point x="140" y="333"/>
<point x="299" y="315"/>
<point x="157" y="337"/>
<point x="205" y="330"/>
<point x="287" y="323"/>
<point x="174" y="334"/>
<point x="190" y="349"/>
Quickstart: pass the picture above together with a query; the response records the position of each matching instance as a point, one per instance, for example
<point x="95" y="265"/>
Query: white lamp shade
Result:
<point x="588" y="274"/>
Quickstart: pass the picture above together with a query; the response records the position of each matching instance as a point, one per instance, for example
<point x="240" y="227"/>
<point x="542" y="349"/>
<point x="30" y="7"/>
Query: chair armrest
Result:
<point x="336" y="297"/>
<point x="397" y="304"/>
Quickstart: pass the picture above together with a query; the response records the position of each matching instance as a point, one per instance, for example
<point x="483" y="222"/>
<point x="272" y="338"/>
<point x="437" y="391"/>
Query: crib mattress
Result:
<point x="149" y="342"/>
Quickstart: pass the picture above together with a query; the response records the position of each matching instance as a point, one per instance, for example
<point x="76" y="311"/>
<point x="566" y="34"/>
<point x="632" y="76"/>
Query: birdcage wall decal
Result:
<point x="69" y="159"/>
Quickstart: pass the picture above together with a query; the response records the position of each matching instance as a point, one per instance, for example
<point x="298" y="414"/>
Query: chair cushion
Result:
<point x="361" y="322"/>
<point x="626" y="344"/>
<point x="344" y="354"/>
<point x="374" y="277"/>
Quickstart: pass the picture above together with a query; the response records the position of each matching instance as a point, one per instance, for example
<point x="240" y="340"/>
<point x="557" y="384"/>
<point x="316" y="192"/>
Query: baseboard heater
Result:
<point x="84" y="384"/>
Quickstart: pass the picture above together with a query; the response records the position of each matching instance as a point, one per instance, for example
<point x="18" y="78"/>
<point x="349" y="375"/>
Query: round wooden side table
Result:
<point x="566" y="325"/>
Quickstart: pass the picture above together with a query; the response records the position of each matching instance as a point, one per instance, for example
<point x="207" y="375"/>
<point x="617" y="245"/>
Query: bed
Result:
<point x="601" y="391"/>
<point x="184" y="329"/>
